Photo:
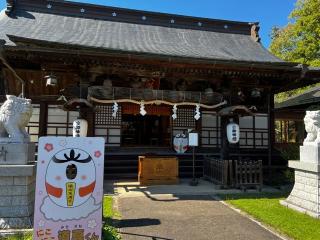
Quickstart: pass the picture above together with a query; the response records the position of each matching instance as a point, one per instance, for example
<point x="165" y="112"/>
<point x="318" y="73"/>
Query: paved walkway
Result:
<point x="181" y="212"/>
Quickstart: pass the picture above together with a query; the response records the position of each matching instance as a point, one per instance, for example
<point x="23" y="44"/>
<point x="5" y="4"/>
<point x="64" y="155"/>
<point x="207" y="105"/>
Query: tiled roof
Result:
<point x="309" y="97"/>
<point x="134" y="32"/>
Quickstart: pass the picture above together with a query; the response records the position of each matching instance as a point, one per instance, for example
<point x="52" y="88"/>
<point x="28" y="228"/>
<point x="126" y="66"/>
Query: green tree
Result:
<point x="299" y="40"/>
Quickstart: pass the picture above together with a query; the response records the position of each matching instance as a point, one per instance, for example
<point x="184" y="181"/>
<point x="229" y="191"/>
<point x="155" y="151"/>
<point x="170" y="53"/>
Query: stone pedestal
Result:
<point x="305" y="195"/>
<point x="17" y="186"/>
<point x="16" y="153"/>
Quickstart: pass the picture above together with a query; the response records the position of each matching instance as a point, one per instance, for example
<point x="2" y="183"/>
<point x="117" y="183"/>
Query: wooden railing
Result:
<point x="218" y="171"/>
<point x="248" y="173"/>
<point x="234" y="173"/>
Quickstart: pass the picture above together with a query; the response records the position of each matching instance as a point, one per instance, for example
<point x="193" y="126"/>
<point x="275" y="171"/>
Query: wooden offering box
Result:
<point x="155" y="170"/>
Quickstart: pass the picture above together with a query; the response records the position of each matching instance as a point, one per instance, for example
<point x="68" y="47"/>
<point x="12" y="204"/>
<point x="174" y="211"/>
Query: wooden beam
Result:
<point x="43" y="119"/>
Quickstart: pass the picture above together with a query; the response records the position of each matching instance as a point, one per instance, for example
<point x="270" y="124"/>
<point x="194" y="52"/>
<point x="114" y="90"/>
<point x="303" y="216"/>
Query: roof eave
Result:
<point x="25" y="44"/>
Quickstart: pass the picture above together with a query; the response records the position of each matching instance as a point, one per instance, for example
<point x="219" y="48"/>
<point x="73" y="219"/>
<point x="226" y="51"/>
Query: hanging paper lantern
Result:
<point x="197" y="115"/>
<point x="233" y="132"/>
<point x="142" y="110"/>
<point x="80" y="128"/>
<point x="174" y="110"/>
<point x="115" y="109"/>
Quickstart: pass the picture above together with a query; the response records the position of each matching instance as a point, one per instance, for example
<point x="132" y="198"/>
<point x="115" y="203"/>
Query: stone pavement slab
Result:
<point x="133" y="189"/>
<point x="184" y="217"/>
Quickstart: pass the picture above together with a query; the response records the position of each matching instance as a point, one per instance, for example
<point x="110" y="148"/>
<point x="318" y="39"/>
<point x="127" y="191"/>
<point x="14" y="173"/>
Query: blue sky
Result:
<point x="268" y="12"/>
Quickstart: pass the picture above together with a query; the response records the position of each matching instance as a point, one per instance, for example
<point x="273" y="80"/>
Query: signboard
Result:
<point x="193" y="139"/>
<point x="69" y="188"/>
<point x="180" y="143"/>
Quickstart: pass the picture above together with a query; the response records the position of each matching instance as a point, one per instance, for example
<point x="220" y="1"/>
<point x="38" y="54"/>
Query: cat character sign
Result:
<point x="69" y="188"/>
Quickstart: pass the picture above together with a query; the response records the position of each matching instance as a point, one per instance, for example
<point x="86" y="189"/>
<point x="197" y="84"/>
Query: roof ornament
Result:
<point x="304" y="70"/>
<point x="10" y="6"/>
<point x="255" y="32"/>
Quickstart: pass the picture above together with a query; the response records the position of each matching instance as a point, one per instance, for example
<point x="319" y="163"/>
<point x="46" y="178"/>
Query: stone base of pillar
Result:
<point x="17" y="186"/>
<point x="17" y="153"/>
<point x="304" y="196"/>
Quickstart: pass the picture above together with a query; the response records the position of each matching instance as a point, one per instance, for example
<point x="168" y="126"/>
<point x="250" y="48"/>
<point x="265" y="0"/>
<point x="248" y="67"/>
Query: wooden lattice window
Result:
<point x="103" y="115"/>
<point x="185" y="118"/>
<point x="60" y="121"/>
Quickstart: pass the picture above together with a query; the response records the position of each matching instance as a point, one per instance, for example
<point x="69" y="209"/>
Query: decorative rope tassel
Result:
<point x="198" y="114"/>
<point x="174" y="110"/>
<point x="142" y="110"/>
<point x="115" y="109"/>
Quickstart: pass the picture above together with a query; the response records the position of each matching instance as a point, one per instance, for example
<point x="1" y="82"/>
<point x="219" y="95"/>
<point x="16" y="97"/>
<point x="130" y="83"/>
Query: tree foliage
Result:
<point x="299" y="40"/>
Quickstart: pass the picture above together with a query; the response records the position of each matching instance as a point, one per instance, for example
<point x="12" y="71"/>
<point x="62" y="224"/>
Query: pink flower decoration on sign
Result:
<point x="48" y="147"/>
<point x="97" y="154"/>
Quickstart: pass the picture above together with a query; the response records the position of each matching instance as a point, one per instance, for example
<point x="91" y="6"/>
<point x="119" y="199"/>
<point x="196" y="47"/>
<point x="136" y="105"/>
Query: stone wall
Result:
<point x="305" y="193"/>
<point x="17" y="186"/>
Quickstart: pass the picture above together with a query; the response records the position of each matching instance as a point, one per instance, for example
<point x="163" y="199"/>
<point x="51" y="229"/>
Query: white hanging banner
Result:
<point x="69" y="188"/>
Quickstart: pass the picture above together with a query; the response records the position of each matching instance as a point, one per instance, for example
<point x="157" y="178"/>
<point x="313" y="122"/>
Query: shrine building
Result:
<point x="142" y="80"/>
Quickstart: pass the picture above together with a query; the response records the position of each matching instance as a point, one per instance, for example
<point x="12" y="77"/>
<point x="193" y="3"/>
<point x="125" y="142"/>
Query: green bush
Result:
<point x="290" y="152"/>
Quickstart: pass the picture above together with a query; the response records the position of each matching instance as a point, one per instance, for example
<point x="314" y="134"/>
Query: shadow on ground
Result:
<point x="183" y="191"/>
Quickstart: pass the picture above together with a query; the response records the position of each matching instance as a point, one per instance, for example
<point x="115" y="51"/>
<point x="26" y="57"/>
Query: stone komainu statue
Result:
<point x="15" y="114"/>
<point x="312" y="125"/>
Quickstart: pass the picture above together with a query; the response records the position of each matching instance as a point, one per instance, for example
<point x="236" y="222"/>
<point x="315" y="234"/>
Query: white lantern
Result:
<point x="233" y="132"/>
<point x="80" y="128"/>
<point x="51" y="80"/>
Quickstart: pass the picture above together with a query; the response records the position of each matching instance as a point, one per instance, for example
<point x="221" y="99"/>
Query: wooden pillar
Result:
<point x="224" y="153"/>
<point x="43" y="119"/>
<point x="89" y="116"/>
<point x="198" y="129"/>
<point x="271" y="130"/>
<point x="2" y="83"/>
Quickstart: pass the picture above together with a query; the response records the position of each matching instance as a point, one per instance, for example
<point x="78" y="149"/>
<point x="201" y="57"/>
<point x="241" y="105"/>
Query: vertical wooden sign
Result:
<point x="69" y="188"/>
